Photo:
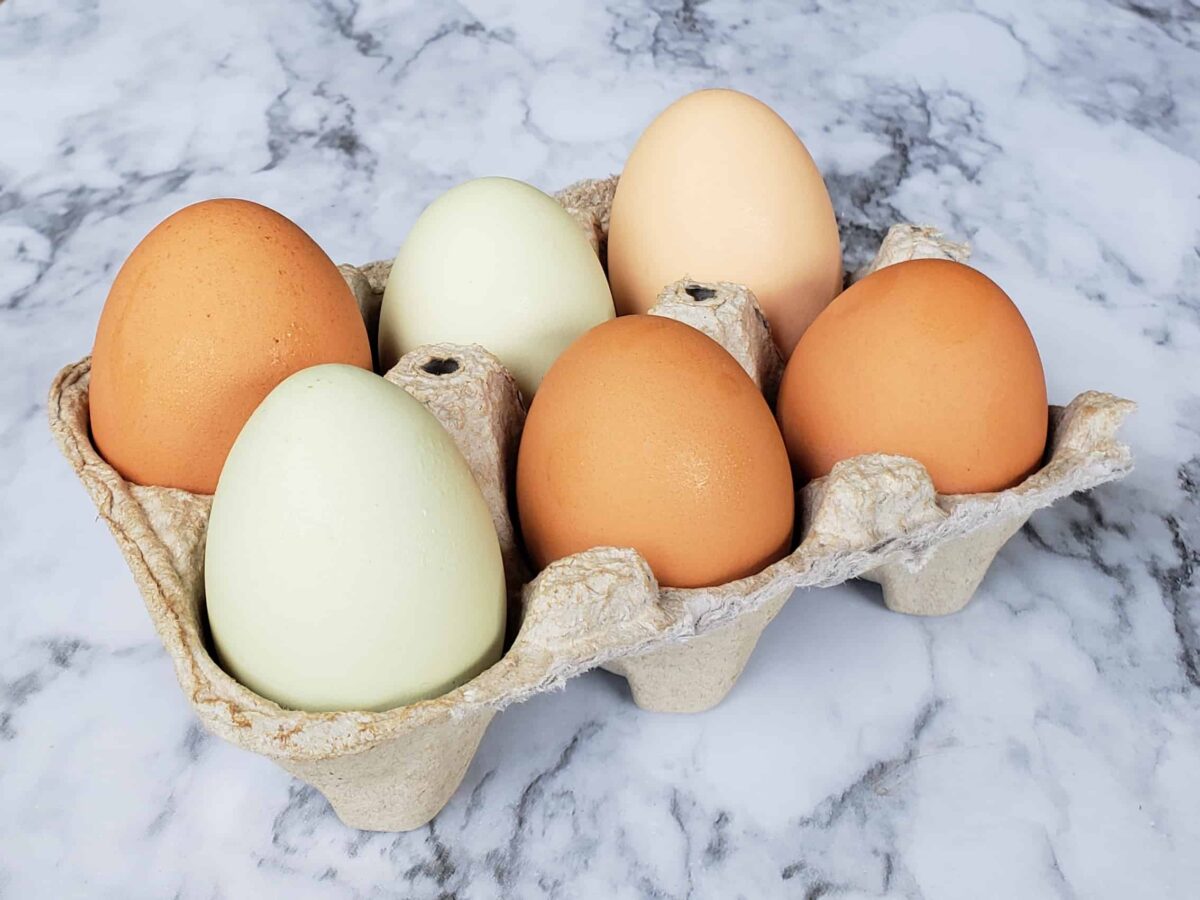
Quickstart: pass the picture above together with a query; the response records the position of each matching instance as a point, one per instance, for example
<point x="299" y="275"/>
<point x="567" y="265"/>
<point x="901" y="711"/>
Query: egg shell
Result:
<point x="378" y="584"/>
<point x="719" y="188"/>
<point x="928" y="359"/>
<point x="646" y="433"/>
<point x="498" y="263"/>
<point x="217" y="305"/>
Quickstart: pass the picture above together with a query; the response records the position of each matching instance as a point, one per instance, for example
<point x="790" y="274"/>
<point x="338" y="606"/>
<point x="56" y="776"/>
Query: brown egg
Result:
<point x="646" y="433"/>
<point x="719" y="188"/>
<point x="927" y="359"/>
<point x="217" y="305"/>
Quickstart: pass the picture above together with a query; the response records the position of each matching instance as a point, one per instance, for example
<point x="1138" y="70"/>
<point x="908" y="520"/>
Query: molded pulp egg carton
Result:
<point x="876" y="517"/>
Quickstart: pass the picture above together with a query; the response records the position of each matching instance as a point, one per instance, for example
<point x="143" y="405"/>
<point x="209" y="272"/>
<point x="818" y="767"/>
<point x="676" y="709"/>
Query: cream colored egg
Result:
<point x="498" y="263"/>
<point x="719" y="188"/>
<point x="351" y="560"/>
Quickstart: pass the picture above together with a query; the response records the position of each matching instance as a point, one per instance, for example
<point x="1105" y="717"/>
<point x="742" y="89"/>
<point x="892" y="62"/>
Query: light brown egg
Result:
<point x="719" y="188"/>
<point x="218" y="304"/>
<point x="646" y="433"/>
<point x="928" y="359"/>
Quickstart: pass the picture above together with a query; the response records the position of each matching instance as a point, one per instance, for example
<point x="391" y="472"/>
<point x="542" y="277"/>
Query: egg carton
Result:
<point x="681" y="650"/>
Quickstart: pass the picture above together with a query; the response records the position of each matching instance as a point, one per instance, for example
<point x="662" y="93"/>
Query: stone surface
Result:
<point x="1040" y="743"/>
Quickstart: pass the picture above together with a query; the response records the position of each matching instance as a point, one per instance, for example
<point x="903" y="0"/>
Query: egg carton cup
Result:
<point x="874" y="516"/>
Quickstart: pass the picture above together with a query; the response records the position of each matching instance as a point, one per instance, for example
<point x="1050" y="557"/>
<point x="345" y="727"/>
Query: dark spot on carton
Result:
<point x="699" y="294"/>
<point x="438" y="366"/>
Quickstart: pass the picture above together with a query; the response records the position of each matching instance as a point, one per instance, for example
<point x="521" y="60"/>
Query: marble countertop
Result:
<point x="1043" y="743"/>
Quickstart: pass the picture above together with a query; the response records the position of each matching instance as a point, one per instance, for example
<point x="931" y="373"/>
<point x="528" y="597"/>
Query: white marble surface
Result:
<point x="1043" y="743"/>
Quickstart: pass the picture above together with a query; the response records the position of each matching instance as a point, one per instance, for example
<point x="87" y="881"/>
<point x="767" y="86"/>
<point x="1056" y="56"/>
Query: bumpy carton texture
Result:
<point x="876" y="517"/>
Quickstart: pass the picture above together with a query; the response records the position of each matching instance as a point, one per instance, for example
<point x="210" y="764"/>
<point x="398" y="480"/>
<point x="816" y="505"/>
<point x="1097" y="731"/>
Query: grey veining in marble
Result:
<point x="1043" y="743"/>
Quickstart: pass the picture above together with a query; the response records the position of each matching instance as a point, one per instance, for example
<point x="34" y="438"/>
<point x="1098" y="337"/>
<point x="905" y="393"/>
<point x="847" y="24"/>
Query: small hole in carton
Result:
<point x="438" y="366"/>
<point x="698" y="293"/>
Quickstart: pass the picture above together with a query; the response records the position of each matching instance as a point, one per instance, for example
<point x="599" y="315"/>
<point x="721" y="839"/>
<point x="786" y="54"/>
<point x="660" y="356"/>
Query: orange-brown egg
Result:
<point x="719" y="188"/>
<point x="646" y="433"/>
<point x="217" y="305"/>
<point x="928" y="359"/>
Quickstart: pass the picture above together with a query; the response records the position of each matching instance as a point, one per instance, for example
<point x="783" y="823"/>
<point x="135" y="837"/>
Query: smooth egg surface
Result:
<point x="351" y="561"/>
<point x="928" y="359"/>
<point x="498" y="263"/>
<point x="719" y="188"/>
<point x="216" y="306"/>
<point x="646" y="433"/>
